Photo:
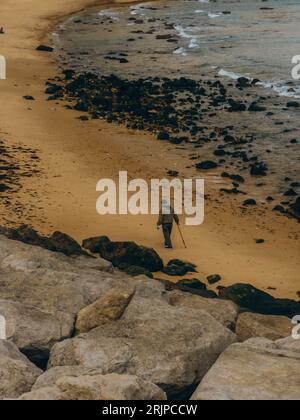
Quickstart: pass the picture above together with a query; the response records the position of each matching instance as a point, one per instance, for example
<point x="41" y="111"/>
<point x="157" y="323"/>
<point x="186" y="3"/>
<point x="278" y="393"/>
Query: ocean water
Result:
<point x="226" y="37"/>
<point x="204" y="39"/>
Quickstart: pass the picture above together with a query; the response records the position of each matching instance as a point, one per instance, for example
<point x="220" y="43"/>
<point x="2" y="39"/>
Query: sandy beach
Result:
<point x="72" y="155"/>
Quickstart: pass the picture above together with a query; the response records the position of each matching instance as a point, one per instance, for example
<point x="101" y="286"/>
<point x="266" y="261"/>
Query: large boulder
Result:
<point x="109" y="307"/>
<point x="255" y="300"/>
<point x="34" y="332"/>
<point x="258" y="369"/>
<point x="272" y="327"/>
<point x="98" y="387"/>
<point x="224" y="311"/>
<point x="17" y="373"/>
<point x="172" y="347"/>
<point x="124" y="254"/>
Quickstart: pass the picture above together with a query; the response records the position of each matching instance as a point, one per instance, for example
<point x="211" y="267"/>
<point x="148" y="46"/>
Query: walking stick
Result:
<point x="182" y="237"/>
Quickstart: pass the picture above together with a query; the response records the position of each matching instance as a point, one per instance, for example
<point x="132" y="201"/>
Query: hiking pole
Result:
<point x="182" y="237"/>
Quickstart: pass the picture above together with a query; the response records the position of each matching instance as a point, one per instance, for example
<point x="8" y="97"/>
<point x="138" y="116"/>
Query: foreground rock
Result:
<point x="16" y="372"/>
<point x="34" y="332"/>
<point x="226" y="312"/>
<point x="108" y="308"/>
<point x="98" y="387"/>
<point x="172" y="347"/>
<point x="255" y="300"/>
<point x="124" y="254"/>
<point x="42" y="292"/>
<point x="258" y="369"/>
<point x="251" y="325"/>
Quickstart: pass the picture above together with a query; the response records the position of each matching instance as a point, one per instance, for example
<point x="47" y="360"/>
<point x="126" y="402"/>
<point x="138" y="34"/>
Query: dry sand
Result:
<point x="74" y="155"/>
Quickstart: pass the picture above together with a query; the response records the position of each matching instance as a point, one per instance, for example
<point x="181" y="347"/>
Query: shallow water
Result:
<point x="233" y="36"/>
<point x="204" y="40"/>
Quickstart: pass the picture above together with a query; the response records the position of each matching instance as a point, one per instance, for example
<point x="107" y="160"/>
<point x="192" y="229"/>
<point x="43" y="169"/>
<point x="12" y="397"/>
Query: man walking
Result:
<point x="166" y="218"/>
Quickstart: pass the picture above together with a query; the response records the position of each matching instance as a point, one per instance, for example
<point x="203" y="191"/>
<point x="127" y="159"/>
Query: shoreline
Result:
<point x="71" y="165"/>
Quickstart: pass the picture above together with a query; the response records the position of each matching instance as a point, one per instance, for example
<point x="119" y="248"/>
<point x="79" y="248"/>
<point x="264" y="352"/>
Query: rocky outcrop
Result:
<point x="98" y="387"/>
<point x="255" y="300"/>
<point x="59" y="242"/>
<point x="124" y="254"/>
<point x="17" y="373"/>
<point x="258" y="369"/>
<point x="172" y="347"/>
<point x="108" y="335"/>
<point x="272" y="327"/>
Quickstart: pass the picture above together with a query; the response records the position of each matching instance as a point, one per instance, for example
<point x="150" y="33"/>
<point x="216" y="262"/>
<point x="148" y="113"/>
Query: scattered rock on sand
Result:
<point x="214" y="278"/>
<point x="250" y="202"/>
<point x="44" y="48"/>
<point x="206" y="165"/>
<point x="179" y="268"/>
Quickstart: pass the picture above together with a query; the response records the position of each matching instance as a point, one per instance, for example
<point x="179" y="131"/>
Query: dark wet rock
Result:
<point x="206" y="165"/>
<point x="259" y="169"/>
<point x="58" y="242"/>
<point x="163" y="135"/>
<point x="69" y="74"/>
<point x="45" y="48"/>
<point x="136" y="271"/>
<point x="295" y="207"/>
<point x="254" y="107"/>
<point x="207" y="294"/>
<point x="236" y="106"/>
<point x="259" y="241"/>
<point x="3" y="188"/>
<point x="250" y="202"/>
<point x="124" y="254"/>
<point x="193" y="283"/>
<point x="166" y="36"/>
<point x="220" y="152"/>
<point x="179" y="268"/>
<point x="293" y="104"/>
<point x="28" y="98"/>
<point x="173" y="174"/>
<point x="279" y="209"/>
<point x="214" y="278"/>
<point x="248" y="297"/>
<point x="290" y="193"/>
<point x="243" y="82"/>
<point x="236" y="178"/>
<point x="232" y="191"/>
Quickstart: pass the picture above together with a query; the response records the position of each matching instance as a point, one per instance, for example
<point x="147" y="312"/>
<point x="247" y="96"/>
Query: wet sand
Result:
<point x="74" y="155"/>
